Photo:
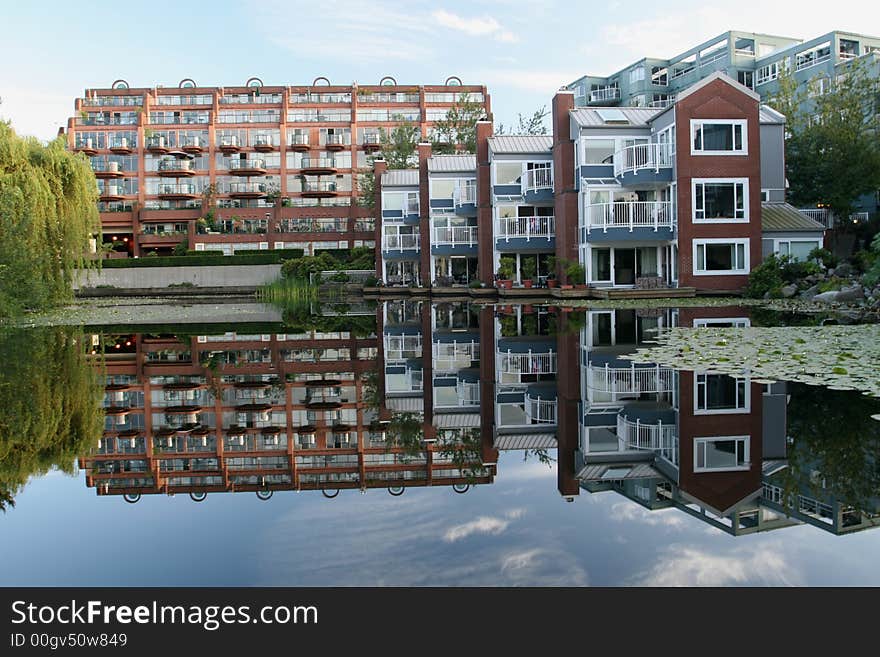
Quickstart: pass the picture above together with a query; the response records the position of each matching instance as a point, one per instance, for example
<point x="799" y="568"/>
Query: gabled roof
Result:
<point x="784" y="217"/>
<point x="590" y="117"/>
<point x="717" y="75"/>
<point x="526" y="441"/>
<point x="449" y="163"/>
<point x="400" y="177"/>
<point x="520" y="143"/>
<point x="770" y="115"/>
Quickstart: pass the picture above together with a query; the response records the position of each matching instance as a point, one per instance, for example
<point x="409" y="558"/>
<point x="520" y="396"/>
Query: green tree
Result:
<point x="832" y="149"/>
<point x="527" y="125"/>
<point x="457" y="133"/>
<point x="399" y="145"/>
<point x="48" y="214"/>
<point x="50" y="405"/>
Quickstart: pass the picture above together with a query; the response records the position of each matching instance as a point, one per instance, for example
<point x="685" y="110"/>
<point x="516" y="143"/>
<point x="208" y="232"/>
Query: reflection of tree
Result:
<point x="463" y="449"/>
<point x="50" y="405"/>
<point x="541" y="455"/>
<point x="834" y="436"/>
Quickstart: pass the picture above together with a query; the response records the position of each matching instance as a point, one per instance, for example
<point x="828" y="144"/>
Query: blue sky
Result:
<point x="523" y="50"/>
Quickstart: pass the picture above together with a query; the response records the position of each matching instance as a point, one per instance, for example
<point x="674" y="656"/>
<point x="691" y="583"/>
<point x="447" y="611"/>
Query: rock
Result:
<point x="826" y="297"/>
<point x="843" y="270"/>
<point x="789" y="291"/>
<point x="811" y="279"/>
<point x="850" y="294"/>
<point x="809" y="293"/>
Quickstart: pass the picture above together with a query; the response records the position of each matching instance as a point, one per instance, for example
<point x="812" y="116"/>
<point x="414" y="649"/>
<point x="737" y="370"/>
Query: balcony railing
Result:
<point x="630" y="214"/>
<point x="540" y="411"/>
<point x="642" y="156"/>
<point x="178" y="189"/>
<point x="401" y="347"/>
<point x="526" y="362"/>
<point x="527" y="228"/>
<point x="325" y="186"/>
<point x="175" y="165"/>
<point x="465" y="194"/>
<point x="454" y="355"/>
<point x="467" y="394"/>
<point x="605" y="93"/>
<point x="247" y="188"/>
<point x="628" y="382"/>
<point x="335" y="140"/>
<point x="254" y="163"/>
<point x="298" y="140"/>
<point x="455" y="235"/>
<point x="638" y="435"/>
<point x="537" y="180"/>
<point x="398" y="242"/>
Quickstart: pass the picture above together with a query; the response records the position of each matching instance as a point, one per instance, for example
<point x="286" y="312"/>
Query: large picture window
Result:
<point x="721" y="453"/>
<point x="719" y="137"/>
<point x="720" y="200"/>
<point x="714" y="257"/>
<point x="719" y="393"/>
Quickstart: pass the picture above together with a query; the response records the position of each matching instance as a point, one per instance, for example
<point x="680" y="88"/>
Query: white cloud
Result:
<point x="482" y="525"/>
<point x="475" y="26"/>
<point x="631" y="512"/>
<point x="35" y="112"/>
<point x="544" y="82"/>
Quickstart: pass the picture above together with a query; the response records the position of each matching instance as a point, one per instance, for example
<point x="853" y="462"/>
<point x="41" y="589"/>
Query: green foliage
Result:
<point x="832" y="154"/>
<point x="474" y="284"/>
<point x="507" y="267"/>
<point x="206" y="258"/>
<point x="766" y="277"/>
<point x="531" y="125"/>
<point x="574" y="272"/>
<point x="50" y="405"/>
<point x="48" y="213"/>
<point x="399" y="145"/>
<point x="824" y="256"/>
<point x="529" y="266"/>
<point x="371" y="281"/>
<point x="181" y="248"/>
<point x="457" y="133"/>
<point x="872" y="269"/>
<point x="366" y="186"/>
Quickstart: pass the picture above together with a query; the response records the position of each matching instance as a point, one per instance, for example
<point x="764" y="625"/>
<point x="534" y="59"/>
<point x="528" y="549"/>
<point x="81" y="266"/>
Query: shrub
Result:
<point x="474" y="284"/>
<point x="824" y="256"/>
<point x="872" y="271"/>
<point x="200" y="260"/>
<point x="575" y="272"/>
<point x="766" y="277"/>
<point x="181" y="248"/>
<point x="371" y="281"/>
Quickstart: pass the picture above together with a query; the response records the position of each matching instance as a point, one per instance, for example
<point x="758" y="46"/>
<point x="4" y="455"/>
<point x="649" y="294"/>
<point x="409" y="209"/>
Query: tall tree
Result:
<point x="457" y="133"/>
<point x="399" y="144"/>
<point x="832" y="144"/>
<point x="532" y="124"/>
<point x="48" y="214"/>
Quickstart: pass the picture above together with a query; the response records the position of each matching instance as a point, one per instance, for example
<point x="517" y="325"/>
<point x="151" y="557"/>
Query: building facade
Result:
<point x="242" y="168"/>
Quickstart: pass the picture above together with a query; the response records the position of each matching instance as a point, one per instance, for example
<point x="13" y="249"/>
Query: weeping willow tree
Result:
<point x="48" y="213"/>
<point x="50" y="405"/>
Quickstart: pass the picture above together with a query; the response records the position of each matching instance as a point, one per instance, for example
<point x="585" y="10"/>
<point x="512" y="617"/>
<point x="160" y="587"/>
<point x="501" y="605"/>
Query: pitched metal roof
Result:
<point x="400" y="177"/>
<point x="526" y="441"/>
<point x="777" y="217"/>
<point x="597" y="471"/>
<point x="405" y="404"/>
<point x="520" y="143"/>
<point x="589" y="117"/>
<point x="443" y="163"/>
<point x="770" y="115"/>
<point x="456" y="420"/>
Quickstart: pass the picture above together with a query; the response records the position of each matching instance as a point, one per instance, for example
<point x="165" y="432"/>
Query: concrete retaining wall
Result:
<point x="216" y="276"/>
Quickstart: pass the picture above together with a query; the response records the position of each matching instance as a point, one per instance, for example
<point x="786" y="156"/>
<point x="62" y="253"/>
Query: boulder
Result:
<point x="850" y="294"/>
<point x="843" y="270"/>
<point x="788" y="291"/>
<point x="826" y="297"/>
<point x="809" y="293"/>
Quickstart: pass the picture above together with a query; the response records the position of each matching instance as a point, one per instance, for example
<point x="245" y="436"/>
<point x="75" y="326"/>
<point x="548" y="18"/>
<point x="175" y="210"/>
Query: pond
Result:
<point x="411" y="442"/>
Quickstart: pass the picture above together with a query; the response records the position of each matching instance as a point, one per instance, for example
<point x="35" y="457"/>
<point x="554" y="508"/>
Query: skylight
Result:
<point x="612" y="115"/>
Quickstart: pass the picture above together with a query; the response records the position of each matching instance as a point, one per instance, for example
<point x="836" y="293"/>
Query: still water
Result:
<point x="418" y="443"/>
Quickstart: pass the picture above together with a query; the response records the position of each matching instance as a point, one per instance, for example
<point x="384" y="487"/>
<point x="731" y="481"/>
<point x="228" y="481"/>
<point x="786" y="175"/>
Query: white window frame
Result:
<point x="723" y="272"/>
<point x="699" y="443"/>
<point x="701" y="380"/>
<point x="738" y="322"/>
<point x="724" y="220"/>
<point x="744" y="125"/>
<point x="777" y="243"/>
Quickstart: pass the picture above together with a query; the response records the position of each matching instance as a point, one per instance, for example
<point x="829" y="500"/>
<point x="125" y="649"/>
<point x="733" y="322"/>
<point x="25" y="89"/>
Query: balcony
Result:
<point x="402" y="347"/>
<point x="107" y="170"/>
<point x="604" y="96"/>
<point x="454" y="236"/>
<point x="537" y="185"/>
<point x="335" y="142"/>
<point x="249" y="167"/>
<point x="177" y="191"/>
<point x="629" y="215"/>
<point x="644" y="163"/>
<point x="316" y="166"/>
<point x="111" y="193"/>
<point x="464" y="199"/>
<point x="400" y="242"/>
<point x="121" y="146"/>
<point x="372" y="142"/>
<point x="192" y="145"/>
<point x="298" y="142"/>
<point x="88" y="146"/>
<point x="467" y="393"/>
<point x="454" y="356"/>
<point x="613" y="384"/>
<point x="247" y="190"/>
<point x="157" y="144"/>
<point x="174" y="168"/>
<point x="658" y="437"/>
<point x="540" y="411"/>
<point x="527" y="228"/>
<point x="519" y="363"/>
<point x="229" y="144"/>
<point x="319" y="188"/>
<point x="263" y="143"/>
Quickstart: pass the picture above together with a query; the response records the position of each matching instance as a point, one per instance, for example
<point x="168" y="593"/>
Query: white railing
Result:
<point x="467" y="394"/>
<point x="412" y="206"/>
<point x="400" y="242"/>
<point x="537" y="179"/>
<point x="661" y="104"/>
<point x="247" y="164"/>
<point x="401" y="347"/>
<point x="641" y="157"/>
<point x="527" y="228"/>
<point x="455" y="355"/>
<point x="454" y="235"/>
<point x="638" y="435"/>
<point x="605" y="93"/>
<point x="526" y="362"/>
<point x="540" y="411"/>
<point x="465" y="194"/>
<point x="622" y="382"/>
<point x="630" y="214"/>
<point x="828" y="219"/>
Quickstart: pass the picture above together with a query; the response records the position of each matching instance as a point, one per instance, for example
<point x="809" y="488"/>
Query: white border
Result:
<point x="745" y="138"/>
<point x="724" y="272"/>
<point x="724" y="220"/>
<point x="747" y="454"/>
<point x="723" y="411"/>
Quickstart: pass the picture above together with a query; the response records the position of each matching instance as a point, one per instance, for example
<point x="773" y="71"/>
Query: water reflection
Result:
<point x="410" y="393"/>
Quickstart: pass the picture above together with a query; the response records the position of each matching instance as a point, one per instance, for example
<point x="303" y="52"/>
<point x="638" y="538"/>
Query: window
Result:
<point x="659" y="75"/>
<point x="637" y="74"/>
<point x="405" y="202"/>
<point x="770" y="72"/>
<point x="598" y="151"/>
<point x="720" y="200"/>
<point x="601" y="265"/>
<point x="797" y="249"/>
<point x="508" y="173"/>
<point x="721" y="453"/>
<point x="713" y="257"/>
<point x="719" y="393"/>
<point x="746" y="78"/>
<point x="719" y="137"/>
<point x="443" y="188"/>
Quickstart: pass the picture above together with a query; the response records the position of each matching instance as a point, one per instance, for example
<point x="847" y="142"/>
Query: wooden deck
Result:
<point x="648" y="293"/>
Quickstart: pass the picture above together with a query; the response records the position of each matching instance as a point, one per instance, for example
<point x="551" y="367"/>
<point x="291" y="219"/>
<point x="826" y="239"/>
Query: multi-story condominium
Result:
<point x="250" y="167"/>
<point x="641" y="197"/>
<point x="754" y="60"/>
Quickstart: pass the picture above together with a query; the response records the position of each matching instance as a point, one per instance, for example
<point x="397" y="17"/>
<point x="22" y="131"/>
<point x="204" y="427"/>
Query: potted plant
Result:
<point x="505" y="272"/>
<point x="529" y="268"/>
<point x="551" y="276"/>
<point x="576" y="274"/>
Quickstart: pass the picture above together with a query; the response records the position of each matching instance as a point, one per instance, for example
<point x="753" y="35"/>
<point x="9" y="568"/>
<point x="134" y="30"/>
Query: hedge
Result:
<point x="202" y="259"/>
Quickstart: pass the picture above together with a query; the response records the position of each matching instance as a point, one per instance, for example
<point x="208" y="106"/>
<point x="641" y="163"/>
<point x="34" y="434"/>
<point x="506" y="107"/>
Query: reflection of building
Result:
<point x="259" y="412"/>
